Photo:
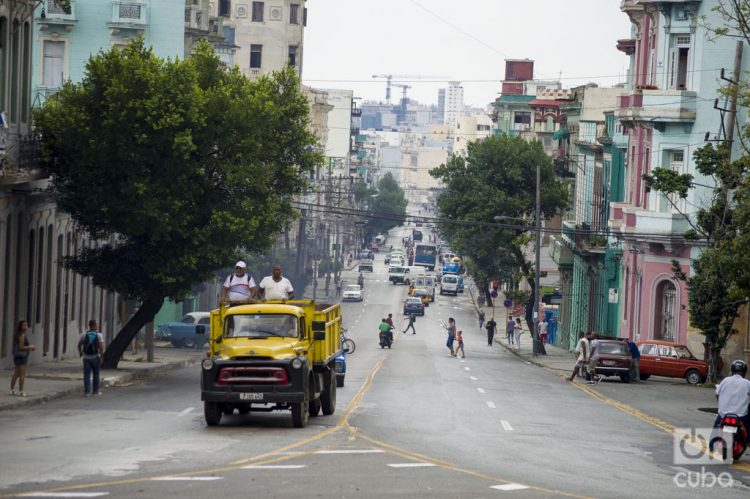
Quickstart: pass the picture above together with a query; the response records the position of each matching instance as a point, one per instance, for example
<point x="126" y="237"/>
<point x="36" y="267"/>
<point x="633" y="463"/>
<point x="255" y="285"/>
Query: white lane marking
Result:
<point x="64" y="494"/>
<point x="473" y="378"/>
<point x="467" y="368"/>
<point x="186" y="478"/>
<point x="481" y="390"/>
<point x="491" y="405"/>
<point x="410" y="465"/>
<point x="462" y="360"/>
<point x="509" y="486"/>
<point x="350" y="451"/>
<point x="274" y="467"/>
<point x="185" y="412"/>
<point x="506" y="425"/>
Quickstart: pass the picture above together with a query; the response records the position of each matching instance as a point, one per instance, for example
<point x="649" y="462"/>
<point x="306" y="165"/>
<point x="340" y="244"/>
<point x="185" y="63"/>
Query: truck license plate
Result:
<point x="251" y="396"/>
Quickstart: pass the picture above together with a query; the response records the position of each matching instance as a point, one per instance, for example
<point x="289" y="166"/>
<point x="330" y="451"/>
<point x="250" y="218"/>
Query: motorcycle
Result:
<point x="361" y="281"/>
<point x="386" y="338"/>
<point x="730" y="424"/>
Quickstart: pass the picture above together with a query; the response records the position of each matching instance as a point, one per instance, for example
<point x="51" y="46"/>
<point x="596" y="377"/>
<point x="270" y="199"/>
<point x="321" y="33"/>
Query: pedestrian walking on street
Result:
<point x="21" y="350"/>
<point x="511" y="326"/>
<point x="518" y="331"/>
<point x="593" y="358"/>
<point x="91" y="348"/>
<point x="491" y="326"/>
<point x="460" y="346"/>
<point x="543" y="326"/>
<point x="338" y="287"/>
<point x="481" y="318"/>
<point x="582" y="349"/>
<point x="412" y="319"/>
<point x="635" y="361"/>
<point x="451" y="327"/>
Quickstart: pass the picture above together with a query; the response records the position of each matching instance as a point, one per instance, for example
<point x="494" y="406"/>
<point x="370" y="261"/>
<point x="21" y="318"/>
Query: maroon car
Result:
<point x="614" y="359"/>
<point x="661" y="358"/>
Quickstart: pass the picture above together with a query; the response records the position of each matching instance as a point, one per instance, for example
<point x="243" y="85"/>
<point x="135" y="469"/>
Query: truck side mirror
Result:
<point x="200" y="329"/>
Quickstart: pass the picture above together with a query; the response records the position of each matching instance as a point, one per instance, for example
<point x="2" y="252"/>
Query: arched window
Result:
<point x="665" y="318"/>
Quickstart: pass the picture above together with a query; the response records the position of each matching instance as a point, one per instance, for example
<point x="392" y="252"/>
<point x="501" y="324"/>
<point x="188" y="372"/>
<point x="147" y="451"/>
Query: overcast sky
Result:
<point x="348" y="41"/>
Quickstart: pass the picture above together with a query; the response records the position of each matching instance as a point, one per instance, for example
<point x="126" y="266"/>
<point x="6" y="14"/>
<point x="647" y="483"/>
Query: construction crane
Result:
<point x="389" y="79"/>
<point x="401" y="114"/>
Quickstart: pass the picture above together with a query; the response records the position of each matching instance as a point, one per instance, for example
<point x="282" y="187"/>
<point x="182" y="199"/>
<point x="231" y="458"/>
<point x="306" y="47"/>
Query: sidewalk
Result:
<point x="61" y="378"/>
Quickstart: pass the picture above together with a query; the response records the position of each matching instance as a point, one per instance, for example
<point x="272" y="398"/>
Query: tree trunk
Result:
<point x="143" y="316"/>
<point x="538" y="346"/>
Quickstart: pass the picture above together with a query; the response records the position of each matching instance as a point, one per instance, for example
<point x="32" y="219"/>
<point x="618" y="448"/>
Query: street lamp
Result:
<point x="538" y="347"/>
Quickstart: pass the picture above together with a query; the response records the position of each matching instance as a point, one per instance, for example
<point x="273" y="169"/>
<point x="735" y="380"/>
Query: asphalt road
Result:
<point x="411" y="421"/>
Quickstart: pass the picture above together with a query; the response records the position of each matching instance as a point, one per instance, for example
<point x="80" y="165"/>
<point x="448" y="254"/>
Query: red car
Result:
<point x="614" y="359"/>
<point x="661" y="358"/>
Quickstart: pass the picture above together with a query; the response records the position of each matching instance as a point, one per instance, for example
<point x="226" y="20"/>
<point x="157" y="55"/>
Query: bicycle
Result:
<point x="347" y="343"/>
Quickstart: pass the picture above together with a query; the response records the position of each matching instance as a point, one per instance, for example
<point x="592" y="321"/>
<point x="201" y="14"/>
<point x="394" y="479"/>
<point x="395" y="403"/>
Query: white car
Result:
<point x="352" y="292"/>
<point x="449" y="284"/>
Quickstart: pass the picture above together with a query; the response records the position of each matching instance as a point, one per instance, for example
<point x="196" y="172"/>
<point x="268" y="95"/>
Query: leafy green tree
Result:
<point x="172" y="167"/>
<point x="497" y="178"/>
<point x="388" y="207"/>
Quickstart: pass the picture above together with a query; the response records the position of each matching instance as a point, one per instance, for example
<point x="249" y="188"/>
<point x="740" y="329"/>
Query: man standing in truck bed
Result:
<point x="275" y="287"/>
<point x="238" y="287"/>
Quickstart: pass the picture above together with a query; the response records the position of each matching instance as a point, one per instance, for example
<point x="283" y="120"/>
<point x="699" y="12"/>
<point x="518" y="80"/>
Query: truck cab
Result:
<point x="272" y="356"/>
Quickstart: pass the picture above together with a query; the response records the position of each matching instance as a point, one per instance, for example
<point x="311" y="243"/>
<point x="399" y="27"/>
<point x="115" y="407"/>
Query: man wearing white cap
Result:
<point x="239" y="286"/>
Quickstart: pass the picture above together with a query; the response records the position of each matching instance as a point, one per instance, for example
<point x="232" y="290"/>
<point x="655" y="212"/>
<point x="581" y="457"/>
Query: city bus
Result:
<point x="425" y="255"/>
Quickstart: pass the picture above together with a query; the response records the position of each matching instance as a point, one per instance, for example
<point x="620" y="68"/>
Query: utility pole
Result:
<point x="731" y="119"/>
<point x="538" y="347"/>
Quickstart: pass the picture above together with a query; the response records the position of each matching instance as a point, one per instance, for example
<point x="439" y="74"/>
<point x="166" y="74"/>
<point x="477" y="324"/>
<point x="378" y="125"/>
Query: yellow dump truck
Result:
<point x="272" y="356"/>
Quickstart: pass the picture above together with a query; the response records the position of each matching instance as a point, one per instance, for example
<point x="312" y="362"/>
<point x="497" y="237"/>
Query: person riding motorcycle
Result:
<point x="733" y="394"/>
<point x="385" y="333"/>
<point x="361" y="280"/>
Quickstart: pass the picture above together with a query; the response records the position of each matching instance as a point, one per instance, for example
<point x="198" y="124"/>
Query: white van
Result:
<point x="411" y="274"/>
<point x="397" y="274"/>
<point x="449" y="284"/>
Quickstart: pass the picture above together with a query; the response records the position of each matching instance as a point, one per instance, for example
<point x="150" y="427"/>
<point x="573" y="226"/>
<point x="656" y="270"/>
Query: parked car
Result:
<point x="614" y="359"/>
<point x="413" y="306"/>
<point x="661" y="358"/>
<point x="182" y="333"/>
<point x="423" y="295"/>
<point x="352" y="292"/>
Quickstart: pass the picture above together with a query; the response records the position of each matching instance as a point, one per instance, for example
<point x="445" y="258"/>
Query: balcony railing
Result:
<point x="660" y="106"/>
<point x="52" y="12"/>
<point x="129" y="13"/>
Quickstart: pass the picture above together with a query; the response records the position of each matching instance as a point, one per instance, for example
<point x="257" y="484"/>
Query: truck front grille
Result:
<point x="252" y="376"/>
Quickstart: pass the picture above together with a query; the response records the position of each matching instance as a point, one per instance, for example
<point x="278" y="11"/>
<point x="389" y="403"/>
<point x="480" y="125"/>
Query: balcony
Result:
<point x="54" y="15"/>
<point x="129" y="14"/>
<point x="20" y="158"/>
<point x="657" y="106"/>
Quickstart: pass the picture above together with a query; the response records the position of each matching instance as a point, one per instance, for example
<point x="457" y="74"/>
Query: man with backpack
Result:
<point x="239" y="286"/>
<point x="91" y="348"/>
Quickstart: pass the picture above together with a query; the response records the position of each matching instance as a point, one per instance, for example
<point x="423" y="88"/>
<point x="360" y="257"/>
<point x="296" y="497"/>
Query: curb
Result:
<point x="529" y="360"/>
<point x="107" y="382"/>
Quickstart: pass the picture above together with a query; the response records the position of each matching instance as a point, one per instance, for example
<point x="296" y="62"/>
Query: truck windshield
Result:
<point x="261" y="326"/>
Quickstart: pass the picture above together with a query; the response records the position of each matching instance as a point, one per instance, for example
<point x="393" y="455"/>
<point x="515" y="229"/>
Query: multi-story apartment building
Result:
<point x="666" y="110"/>
<point x="269" y="34"/>
<point x="454" y="103"/>
<point x="201" y="25"/>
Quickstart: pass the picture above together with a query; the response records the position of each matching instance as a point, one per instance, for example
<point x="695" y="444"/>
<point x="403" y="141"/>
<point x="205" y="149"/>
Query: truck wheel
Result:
<point x="328" y="395"/>
<point x="314" y="407"/>
<point x="300" y="413"/>
<point x="212" y="413"/>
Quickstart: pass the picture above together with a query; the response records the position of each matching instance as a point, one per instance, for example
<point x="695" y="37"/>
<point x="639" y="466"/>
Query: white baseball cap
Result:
<point x="240" y="264"/>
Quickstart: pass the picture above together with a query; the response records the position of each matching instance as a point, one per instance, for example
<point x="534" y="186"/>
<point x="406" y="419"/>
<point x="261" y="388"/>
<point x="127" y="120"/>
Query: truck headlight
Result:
<point x="207" y="364"/>
<point x="296" y="363"/>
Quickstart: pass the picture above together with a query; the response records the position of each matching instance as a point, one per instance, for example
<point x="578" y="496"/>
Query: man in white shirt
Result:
<point x="239" y="286"/>
<point x="734" y="394"/>
<point x="582" y="348"/>
<point x="275" y="287"/>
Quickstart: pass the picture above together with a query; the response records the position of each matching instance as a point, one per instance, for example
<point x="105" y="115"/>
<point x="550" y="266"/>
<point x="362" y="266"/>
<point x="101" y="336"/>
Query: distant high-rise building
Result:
<point x="441" y="103"/>
<point x="454" y="103"/>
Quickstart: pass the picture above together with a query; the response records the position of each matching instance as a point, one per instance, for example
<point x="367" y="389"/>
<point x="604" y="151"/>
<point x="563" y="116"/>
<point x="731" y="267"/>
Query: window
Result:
<point x="521" y="121"/>
<point x="225" y="8"/>
<point x="39" y="276"/>
<point x="664" y="313"/>
<point x="294" y="13"/>
<point x="293" y="55"/>
<point x="26" y="74"/>
<point x="304" y="16"/>
<point x="15" y="53"/>
<point x="3" y="58"/>
<point x="52" y="69"/>
<point x="679" y="57"/>
<point x="258" y="12"/>
<point x="256" y="52"/>
<point x="30" y="277"/>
